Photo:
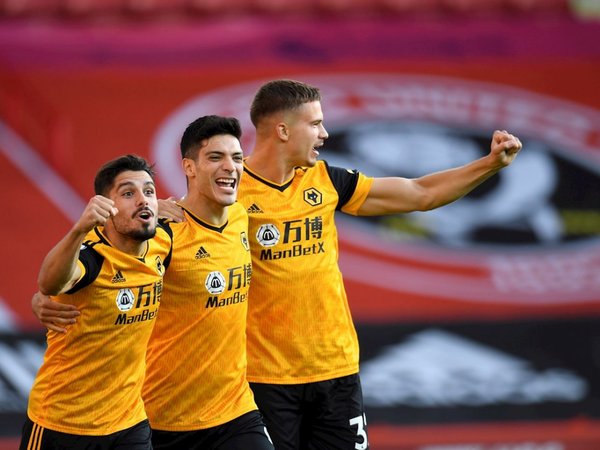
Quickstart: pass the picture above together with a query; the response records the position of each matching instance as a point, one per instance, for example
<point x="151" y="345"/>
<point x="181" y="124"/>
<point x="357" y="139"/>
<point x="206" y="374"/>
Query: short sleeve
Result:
<point x="90" y="263"/>
<point x="352" y="187"/>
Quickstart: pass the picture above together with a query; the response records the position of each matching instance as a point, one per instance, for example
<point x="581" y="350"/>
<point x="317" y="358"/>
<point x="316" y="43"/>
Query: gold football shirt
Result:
<point x="91" y="379"/>
<point x="196" y="375"/>
<point x="299" y="324"/>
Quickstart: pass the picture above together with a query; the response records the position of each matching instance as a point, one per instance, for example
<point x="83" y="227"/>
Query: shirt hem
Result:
<point x="303" y="379"/>
<point x="204" y="425"/>
<point x="86" y="431"/>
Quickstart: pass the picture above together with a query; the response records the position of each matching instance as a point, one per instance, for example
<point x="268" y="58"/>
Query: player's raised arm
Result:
<point x="59" y="269"/>
<point x="399" y="195"/>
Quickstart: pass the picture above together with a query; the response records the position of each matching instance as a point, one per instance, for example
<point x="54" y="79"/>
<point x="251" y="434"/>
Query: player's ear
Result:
<point x="282" y="131"/>
<point x="189" y="167"/>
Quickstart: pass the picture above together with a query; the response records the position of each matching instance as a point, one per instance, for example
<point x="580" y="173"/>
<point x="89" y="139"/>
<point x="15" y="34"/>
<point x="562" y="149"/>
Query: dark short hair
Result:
<point x="281" y="95"/>
<point x="204" y="128"/>
<point x="106" y="175"/>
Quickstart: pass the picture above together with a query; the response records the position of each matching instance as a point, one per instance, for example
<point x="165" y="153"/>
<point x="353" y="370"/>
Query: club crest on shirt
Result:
<point x="160" y="268"/>
<point x="313" y="197"/>
<point x="244" y="239"/>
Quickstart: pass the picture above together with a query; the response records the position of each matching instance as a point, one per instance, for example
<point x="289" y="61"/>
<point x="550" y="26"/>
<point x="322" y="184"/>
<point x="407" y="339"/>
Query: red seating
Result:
<point x="19" y="8"/>
<point x="131" y="9"/>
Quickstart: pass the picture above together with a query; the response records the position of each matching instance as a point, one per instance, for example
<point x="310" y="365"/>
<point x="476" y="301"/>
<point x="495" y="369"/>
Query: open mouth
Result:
<point x="145" y="214"/>
<point x="226" y="182"/>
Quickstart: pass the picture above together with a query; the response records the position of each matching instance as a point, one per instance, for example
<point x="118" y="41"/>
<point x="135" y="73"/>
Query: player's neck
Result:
<point x="207" y="211"/>
<point x="268" y="165"/>
<point x="126" y="244"/>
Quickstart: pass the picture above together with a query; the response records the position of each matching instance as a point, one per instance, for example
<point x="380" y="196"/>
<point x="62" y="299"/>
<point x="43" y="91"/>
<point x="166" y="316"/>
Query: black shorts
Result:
<point x="247" y="432"/>
<point x="326" y="415"/>
<point x="36" y="437"/>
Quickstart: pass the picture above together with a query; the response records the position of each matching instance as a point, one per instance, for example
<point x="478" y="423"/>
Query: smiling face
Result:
<point x="214" y="175"/>
<point x="134" y="195"/>
<point x="305" y="133"/>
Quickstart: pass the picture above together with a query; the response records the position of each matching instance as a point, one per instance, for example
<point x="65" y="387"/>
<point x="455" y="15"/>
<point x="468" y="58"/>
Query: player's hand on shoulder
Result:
<point x="505" y="147"/>
<point x="52" y="314"/>
<point x="168" y="209"/>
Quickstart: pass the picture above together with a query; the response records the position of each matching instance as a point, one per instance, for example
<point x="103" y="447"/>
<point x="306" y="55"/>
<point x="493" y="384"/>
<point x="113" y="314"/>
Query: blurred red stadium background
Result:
<point x="85" y="81"/>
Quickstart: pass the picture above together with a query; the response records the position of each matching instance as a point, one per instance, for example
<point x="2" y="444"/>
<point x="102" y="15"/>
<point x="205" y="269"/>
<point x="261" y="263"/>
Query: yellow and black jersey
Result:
<point x="299" y="324"/>
<point x="91" y="379"/>
<point x="196" y="374"/>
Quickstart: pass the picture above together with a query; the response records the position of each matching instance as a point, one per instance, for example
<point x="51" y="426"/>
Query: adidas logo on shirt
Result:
<point x="118" y="278"/>
<point x="202" y="253"/>
<point x="254" y="209"/>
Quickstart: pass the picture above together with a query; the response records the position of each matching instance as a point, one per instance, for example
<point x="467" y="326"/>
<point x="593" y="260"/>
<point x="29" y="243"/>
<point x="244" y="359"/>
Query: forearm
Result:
<point x="442" y="188"/>
<point x="402" y="195"/>
<point x="59" y="267"/>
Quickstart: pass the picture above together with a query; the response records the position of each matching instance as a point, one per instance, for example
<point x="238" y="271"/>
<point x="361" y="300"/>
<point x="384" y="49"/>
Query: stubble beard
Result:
<point x="147" y="232"/>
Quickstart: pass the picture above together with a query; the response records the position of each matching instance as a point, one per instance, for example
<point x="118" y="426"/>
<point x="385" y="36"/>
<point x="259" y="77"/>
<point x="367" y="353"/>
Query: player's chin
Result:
<point x="311" y="162"/>
<point x="147" y="231"/>
<point x="227" y="200"/>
